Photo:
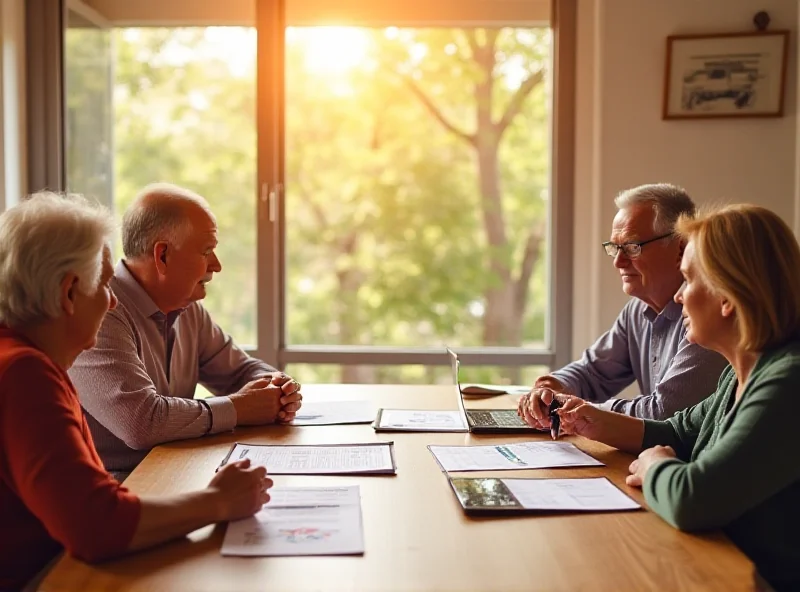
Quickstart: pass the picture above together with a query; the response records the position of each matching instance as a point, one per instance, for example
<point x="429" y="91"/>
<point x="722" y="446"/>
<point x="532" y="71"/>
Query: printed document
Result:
<point x="301" y="521"/>
<point x="521" y="455"/>
<point x="334" y="412"/>
<point x="490" y="494"/>
<point x="335" y="459"/>
<point x="420" y="420"/>
<point x="596" y="494"/>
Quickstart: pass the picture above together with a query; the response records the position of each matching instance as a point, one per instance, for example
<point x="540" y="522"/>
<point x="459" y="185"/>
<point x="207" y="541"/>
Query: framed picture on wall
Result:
<point x="725" y="75"/>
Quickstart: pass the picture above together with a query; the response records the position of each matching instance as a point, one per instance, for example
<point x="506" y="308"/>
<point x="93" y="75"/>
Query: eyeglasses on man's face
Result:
<point x="631" y="249"/>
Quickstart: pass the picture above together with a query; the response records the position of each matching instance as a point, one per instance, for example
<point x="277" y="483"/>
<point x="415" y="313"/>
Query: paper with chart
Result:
<point x="301" y="521"/>
<point x="420" y="420"/>
<point x="521" y="455"/>
<point x="593" y="494"/>
<point x="334" y="413"/>
<point x="333" y="459"/>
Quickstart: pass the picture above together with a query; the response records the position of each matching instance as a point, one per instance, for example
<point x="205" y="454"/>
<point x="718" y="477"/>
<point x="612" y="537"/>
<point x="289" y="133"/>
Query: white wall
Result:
<point x="622" y="141"/>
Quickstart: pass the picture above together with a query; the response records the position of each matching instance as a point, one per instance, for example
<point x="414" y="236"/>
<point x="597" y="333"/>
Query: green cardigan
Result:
<point x="738" y="466"/>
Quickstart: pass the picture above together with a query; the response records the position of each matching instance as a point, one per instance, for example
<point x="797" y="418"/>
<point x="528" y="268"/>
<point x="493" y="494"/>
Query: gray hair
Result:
<point x="669" y="203"/>
<point x="158" y="214"/>
<point x="41" y="240"/>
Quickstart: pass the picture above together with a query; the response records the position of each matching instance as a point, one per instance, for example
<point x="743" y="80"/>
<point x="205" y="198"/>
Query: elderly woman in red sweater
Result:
<point x="55" y="267"/>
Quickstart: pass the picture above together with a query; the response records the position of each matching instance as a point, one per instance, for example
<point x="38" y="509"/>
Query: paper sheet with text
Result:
<point x="334" y="413"/>
<point x="593" y="494"/>
<point x="373" y="458"/>
<point x="420" y="420"/>
<point x="301" y="521"/>
<point x="520" y="455"/>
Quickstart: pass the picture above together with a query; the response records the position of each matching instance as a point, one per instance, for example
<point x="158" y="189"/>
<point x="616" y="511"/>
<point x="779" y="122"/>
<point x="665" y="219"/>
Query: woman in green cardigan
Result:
<point x="731" y="461"/>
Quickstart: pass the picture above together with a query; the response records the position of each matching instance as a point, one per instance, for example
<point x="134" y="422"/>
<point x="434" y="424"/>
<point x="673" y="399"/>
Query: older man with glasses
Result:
<point x="647" y="343"/>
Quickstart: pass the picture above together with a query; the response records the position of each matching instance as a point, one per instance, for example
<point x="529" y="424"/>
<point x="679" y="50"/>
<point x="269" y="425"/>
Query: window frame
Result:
<point x="46" y="138"/>
<point x="271" y="312"/>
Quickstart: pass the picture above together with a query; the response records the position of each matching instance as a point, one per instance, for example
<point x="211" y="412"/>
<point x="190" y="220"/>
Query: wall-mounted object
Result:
<point x="725" y="75"/>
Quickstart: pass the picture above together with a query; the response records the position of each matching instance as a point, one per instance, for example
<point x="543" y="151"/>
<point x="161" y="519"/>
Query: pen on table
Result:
<point x="309" y="416"/>
<point x="555" y="418"/>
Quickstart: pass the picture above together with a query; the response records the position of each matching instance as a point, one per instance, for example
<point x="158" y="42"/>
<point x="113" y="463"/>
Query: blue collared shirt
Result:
<point x="651" y="349"/>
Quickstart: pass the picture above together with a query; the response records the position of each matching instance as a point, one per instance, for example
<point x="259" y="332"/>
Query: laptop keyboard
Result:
<point x="492" y="419"/>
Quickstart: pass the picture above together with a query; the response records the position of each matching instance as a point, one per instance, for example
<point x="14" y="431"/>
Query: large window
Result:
<point x="381" y="191"/>
<point x="88" y="134"/>
<point x="417" y="175"/>
<point x="183" y="111"/>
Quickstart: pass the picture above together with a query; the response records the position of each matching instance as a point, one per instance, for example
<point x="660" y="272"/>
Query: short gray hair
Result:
<point x="41" y="240"/>
<point x="148" y="221"/>
<point x="669" y="203"/>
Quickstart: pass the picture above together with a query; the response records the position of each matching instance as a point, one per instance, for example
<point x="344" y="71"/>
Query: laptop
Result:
<point x="488" y="421"/>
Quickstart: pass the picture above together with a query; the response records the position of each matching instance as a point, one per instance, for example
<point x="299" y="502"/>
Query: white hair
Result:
<point x="41" y="240"/>
<point x="158" y="214"/>
<point x="669" y="203"/>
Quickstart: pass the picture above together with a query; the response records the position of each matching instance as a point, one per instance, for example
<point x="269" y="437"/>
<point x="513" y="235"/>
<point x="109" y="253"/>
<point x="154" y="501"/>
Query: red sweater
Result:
<point x="54" y="491"/>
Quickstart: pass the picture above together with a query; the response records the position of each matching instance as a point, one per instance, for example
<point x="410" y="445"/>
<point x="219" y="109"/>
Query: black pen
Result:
<point x="555" y="418"/>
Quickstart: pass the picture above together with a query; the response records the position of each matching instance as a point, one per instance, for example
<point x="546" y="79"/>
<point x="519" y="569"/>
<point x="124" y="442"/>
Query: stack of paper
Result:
<point x="494" y="389"/>
<point x="301" y="521"/>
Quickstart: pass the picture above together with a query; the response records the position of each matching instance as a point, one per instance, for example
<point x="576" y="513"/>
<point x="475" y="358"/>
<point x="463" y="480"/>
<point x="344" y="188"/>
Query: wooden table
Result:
<point x="416" y="535"/>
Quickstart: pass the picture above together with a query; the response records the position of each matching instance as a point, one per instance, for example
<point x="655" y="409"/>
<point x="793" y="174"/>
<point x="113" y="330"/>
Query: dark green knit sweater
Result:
<point x="738" y="465"/>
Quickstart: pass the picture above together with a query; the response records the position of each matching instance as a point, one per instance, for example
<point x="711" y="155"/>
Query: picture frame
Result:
<point x="725" y="75"/>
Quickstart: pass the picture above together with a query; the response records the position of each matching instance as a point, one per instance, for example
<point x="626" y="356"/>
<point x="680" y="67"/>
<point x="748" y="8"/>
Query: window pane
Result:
<point x="87" y="79"/>
<point x="184" y="112"/>
<point x="411" y="374"/>
<point x="417" y="205"/>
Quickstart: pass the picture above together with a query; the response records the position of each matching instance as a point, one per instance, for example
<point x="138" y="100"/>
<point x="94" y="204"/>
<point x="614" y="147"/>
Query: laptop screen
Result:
<point x="460" y="397"/>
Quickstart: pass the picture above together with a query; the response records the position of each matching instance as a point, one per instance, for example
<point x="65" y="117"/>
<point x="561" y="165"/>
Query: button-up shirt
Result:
<point x="137" y="384"/>
<point x="650" y="348"/>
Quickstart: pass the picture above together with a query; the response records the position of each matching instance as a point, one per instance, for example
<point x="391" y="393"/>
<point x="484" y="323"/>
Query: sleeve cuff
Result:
<point x="657" y="433"/>
<point x="650" y="485"/>
<point x="564" y="379"/>
<point x="607" y="406"/>
<point x="223" y="414"/>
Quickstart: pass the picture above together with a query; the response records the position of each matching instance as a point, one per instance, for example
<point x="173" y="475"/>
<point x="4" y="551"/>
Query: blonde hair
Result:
<point x="749" y="255"/>
<point x="41" y="240"/>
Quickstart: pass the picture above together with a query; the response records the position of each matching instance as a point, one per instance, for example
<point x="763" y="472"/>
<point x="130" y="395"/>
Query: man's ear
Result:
<point x="68" y="291"/>
<point x="160" y="256"/>
<point x="681" y="249"/>
<point x="727" y="308"/>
